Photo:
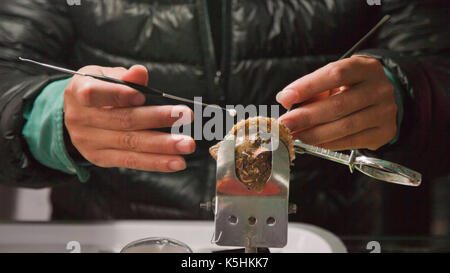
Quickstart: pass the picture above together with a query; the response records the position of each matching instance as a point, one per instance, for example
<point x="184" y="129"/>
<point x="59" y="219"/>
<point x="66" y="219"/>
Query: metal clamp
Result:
<point x="247" y="218"/>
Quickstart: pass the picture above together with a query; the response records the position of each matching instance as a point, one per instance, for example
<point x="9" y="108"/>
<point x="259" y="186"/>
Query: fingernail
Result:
<point x="288" y="123"/>
<point x="287" y="96"/>
<point x="184" y="146"/>
<point x="177" y="165"/>
<point x="138" y="99"/>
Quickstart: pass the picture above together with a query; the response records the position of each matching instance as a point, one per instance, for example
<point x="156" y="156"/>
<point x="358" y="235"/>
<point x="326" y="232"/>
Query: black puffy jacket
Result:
<point x="265" y="44"/>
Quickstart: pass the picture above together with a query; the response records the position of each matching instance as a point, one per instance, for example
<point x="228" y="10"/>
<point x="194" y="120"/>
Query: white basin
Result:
<point x="113" y="236"/>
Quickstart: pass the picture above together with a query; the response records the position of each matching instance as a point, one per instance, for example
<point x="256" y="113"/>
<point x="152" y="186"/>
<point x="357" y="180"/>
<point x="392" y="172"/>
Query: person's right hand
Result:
<point x="109" y="126"/>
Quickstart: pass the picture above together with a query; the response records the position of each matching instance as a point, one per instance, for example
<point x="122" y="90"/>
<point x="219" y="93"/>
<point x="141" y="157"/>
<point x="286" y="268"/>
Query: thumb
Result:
<point x="136" y="74"/>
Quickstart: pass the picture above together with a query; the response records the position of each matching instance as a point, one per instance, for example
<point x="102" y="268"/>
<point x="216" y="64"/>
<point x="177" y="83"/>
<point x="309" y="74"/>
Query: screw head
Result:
<point x="292" y="208"/>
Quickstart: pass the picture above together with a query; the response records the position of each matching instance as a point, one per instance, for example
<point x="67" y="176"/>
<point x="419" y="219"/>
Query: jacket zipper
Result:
<point x="214" y="75"/>
<point x="226" y="48"/>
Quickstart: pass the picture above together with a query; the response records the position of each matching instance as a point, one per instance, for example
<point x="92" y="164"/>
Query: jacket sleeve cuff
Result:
<point x="43" y="131"/>
<point x="398" y="100"/>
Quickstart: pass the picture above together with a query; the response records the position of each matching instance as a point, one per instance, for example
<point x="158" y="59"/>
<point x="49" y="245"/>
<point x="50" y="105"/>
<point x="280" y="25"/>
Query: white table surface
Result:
<point x="113" y="236"/>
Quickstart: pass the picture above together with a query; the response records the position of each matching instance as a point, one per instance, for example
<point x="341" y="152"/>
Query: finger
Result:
<point x="372" y="139"/>
<point x="332" y="108"/>
<point x="144" y="142"/>
<point x="133" y="118"/>
<point x="344" y="72"/>
<point x="356" y="122"/>
<point x="136" y="74"/>
<point x="97" y="93"/>
<point x="113" y="72"/>
<point x="138" y="161"/>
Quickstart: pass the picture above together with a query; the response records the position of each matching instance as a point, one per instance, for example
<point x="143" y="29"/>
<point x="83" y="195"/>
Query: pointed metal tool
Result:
<point x="141" y="88"/>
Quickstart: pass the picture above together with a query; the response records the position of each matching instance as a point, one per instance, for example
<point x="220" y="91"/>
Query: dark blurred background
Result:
<point x="423" y="211"/>
<point x="408" y="217"/>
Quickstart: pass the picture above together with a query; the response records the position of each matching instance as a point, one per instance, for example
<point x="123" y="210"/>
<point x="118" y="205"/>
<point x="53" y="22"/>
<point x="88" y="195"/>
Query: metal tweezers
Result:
<point x="376" y="168"/>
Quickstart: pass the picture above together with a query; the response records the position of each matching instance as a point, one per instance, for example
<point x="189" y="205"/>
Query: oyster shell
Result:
<point x="253" y="161"/>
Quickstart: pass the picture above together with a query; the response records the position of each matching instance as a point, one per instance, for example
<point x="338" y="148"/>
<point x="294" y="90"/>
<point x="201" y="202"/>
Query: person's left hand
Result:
<point x="348" y="104"/>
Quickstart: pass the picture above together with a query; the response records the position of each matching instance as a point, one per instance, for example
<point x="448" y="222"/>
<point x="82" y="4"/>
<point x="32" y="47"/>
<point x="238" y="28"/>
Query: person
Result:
<point x="106" y="154"/>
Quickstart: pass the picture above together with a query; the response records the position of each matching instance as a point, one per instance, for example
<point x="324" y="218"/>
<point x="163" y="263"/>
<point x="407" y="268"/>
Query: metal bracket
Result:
<point x="244" y="217"/>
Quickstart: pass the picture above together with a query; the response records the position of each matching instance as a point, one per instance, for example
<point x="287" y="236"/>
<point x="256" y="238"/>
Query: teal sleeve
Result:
<point x="43" y="131"/>
<point x="398" y="91"/>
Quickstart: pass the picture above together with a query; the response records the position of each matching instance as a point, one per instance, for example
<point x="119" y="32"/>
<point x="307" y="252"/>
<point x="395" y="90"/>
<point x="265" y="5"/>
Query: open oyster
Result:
<point x="253" y="159"/>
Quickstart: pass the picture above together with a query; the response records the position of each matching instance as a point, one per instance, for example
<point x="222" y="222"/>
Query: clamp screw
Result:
<point x="208" y="206"/>
<point x="292" y="209"/>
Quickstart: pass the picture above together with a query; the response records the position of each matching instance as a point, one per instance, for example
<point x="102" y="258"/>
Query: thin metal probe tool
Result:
<point x="354" y="48"/>
<point x="367" y="36"/>
<point x="141" y="88"/>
